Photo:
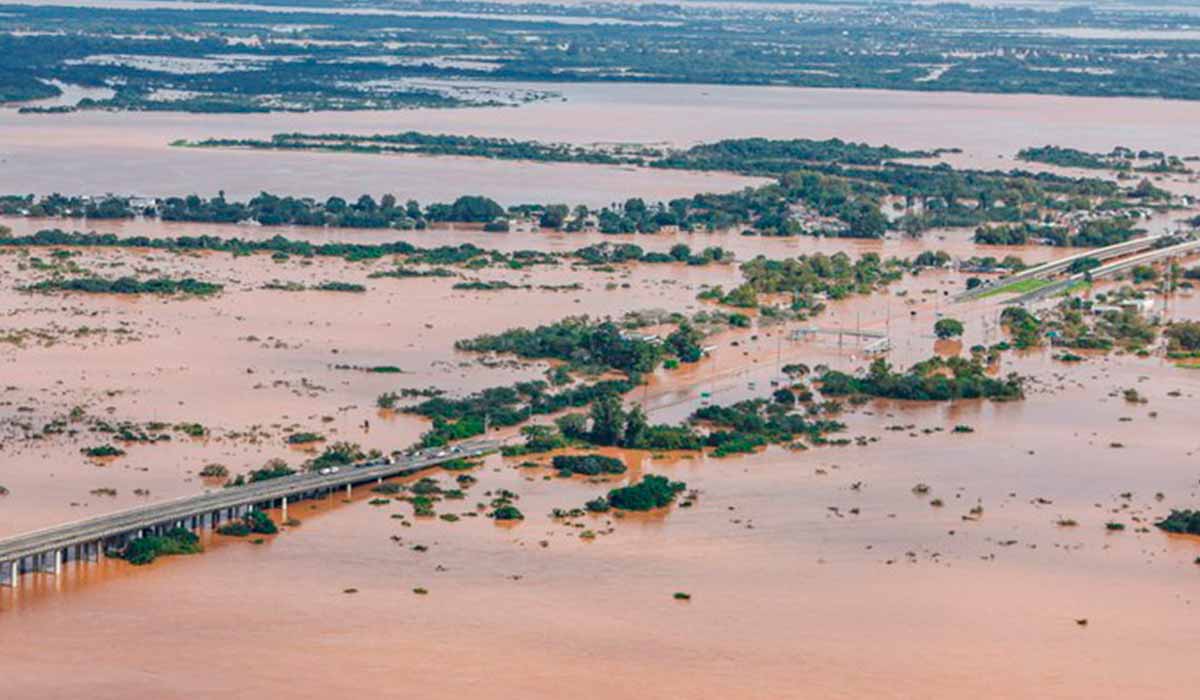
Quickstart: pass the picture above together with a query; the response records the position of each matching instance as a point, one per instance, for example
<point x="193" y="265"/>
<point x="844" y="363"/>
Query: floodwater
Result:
<point x="956" y="242"/>
<point x="99" y="152"/>
<point x="812" y="574"/>
<point x="816" y="573"/>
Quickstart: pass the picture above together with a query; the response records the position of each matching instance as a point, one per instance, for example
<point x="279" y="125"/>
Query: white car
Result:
<point x="325" y="471"/>
<point x="443" y="453"/>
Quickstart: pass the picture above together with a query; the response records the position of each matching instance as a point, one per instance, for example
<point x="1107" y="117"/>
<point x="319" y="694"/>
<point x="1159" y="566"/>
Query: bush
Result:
<point x="1184" y="522"/>
<point x="127" y="285"/>
<point x="925" y="381"/>
<point x="192" y="429"/>
<point x="667" y="437"/>
<point x="103" y="451"/>
<point x="508" y="512"/>
<point x="218" y="471"/>
<point x="177" y="540"/>
<point x="542" y="438"/>
<point x="948" y="328"/>
<point x="273" y="469"/>
<point x="304" y="438"/>
<point x="651" y="492"/>
<point x="234" y="529"/>
<point x="1183" y="335"/>
<point x="735" y="443"/>
<point x="255" y="521"/>
<point x="338" y="454"/>
<point x="341" y="287"/>
<point x="588" y="465"/>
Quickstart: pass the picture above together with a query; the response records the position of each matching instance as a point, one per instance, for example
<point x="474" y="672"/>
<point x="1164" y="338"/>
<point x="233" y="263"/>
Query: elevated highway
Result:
<point x="45" y="550"/>
<point x="1054" y="267"/>
<point x="1110" y="270"/>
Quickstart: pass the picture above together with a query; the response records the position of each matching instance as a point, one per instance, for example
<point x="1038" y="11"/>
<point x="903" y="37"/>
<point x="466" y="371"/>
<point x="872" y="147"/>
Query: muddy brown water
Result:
<point x="793" y="592"/>
<point x="790" y="598"/>
<point x="129" y="153"/>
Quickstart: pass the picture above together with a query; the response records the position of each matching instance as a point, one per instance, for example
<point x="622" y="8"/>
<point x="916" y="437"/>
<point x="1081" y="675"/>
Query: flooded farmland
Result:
<point x="77" y="153"/>
<point x="818" y="572"/>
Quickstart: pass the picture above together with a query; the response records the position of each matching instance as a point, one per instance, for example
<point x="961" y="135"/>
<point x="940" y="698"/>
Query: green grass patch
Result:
<point x="1020" y="287"/>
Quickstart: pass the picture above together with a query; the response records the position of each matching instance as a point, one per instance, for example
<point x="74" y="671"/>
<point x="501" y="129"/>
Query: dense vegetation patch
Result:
<point x="1120" y="159"/>
<point x="747" y="425"/>
<point x="240" y="65"/>
<point x="339" y="454"/>
<point x="810" y="278"/>
<point x="935" y="379"/>
<point x="127" y="285"/>
<point x="1183" y="336"/>
<point x="255" y="522"/>
<point x="1184" y="522"/>
<point x="103" y="451"/>
<point x="578" y="340"/>
<point x="587" y="465"/>
<point x="1101" y="323"/>
<point x="1092" y="233"/>
<point x="651" y="492"/>
<point x="177" y="540"/>
<point x="757" y="156"/>
<point x="458" y="419"/>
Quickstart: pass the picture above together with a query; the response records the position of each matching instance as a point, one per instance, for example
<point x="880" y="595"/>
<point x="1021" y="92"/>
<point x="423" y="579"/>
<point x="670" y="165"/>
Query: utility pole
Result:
<point x="778" y="356"/>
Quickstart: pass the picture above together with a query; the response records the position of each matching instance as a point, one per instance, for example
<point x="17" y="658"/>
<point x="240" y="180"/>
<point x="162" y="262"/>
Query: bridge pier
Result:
<point x="50" y="562"/>
<point x="47" y="551"/>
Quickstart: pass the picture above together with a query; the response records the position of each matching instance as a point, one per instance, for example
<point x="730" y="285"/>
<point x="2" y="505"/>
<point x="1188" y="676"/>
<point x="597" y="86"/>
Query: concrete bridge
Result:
<point x="46" y="550"/>
<point x="1185" y="249"/>
<point x="1055" y="266"/>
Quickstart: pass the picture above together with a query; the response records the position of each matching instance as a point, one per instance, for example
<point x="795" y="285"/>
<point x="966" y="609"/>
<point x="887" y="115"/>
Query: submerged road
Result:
<point x="46" y="549"/>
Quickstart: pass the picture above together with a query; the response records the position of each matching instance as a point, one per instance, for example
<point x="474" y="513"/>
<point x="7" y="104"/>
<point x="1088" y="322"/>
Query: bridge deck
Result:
<point x="1186" y="248"/>
<point x="1060" y="264"/>
<point x="87" y="531"/>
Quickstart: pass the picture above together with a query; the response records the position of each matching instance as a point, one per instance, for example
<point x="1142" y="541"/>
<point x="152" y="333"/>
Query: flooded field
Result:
<point x="819" y="570"/>
<point x="79" y="153"/>
<point x="822" y="572"/>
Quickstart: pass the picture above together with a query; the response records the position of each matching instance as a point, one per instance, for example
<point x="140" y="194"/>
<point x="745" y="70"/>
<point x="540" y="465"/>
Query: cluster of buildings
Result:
<point x="815" y="224"/>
